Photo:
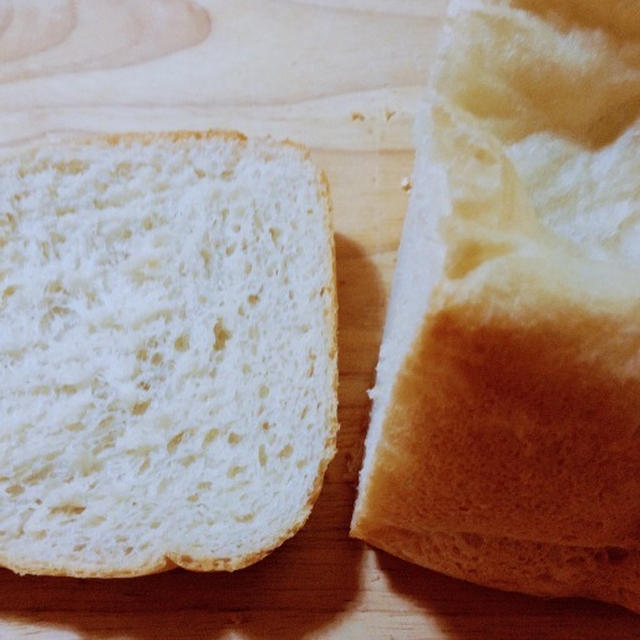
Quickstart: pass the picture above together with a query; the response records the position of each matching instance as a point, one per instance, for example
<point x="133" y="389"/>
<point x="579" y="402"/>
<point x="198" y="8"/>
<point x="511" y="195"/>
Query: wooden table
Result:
<point x="342" y="76"/>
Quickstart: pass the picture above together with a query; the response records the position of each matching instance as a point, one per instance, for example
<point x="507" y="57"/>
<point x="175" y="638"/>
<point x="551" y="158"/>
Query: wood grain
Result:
<point x="342" y="76"/>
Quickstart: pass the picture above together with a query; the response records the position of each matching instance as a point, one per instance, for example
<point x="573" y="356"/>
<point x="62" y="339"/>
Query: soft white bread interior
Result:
<point x="167" y="351"/>
<point x="504" y="444"/>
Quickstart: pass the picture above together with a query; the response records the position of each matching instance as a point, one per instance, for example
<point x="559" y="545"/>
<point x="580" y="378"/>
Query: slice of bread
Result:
<point x="167" y="351"/>
<point x="504" y="444"/>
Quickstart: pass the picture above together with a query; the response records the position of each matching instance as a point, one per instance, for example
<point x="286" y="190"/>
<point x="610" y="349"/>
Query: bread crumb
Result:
<point x="356" y="115"/>
<point x="388" y="114"/>
<point x="183" y="414"/>
<point x="406" y="184"/>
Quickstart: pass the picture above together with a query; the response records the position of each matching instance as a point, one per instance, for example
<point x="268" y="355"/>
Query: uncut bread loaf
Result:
<point x="504" y="444"/>
<point x="167" y="351"/>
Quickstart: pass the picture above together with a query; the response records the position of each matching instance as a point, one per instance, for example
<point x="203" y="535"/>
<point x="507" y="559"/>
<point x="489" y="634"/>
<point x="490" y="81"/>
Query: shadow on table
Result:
<point x="464" y="611"/>
<point x="300" y="589"/>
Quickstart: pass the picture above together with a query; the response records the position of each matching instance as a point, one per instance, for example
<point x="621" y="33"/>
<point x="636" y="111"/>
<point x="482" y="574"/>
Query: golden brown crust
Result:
<point x="519" y="426"/>
<point x="611" y="574"/>
<point x="149" y="137"/>
<point x="515" y="414"/>
<point x="160" y="566"/>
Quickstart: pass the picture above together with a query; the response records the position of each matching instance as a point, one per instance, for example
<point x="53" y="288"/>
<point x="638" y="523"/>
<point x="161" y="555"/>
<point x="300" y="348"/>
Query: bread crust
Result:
<point x="515" y="426"/>
<point x="524" y="435"/>
<point x="169" y="561"/>
<point x="611" y="574"/>
<point x="514" y="414"/>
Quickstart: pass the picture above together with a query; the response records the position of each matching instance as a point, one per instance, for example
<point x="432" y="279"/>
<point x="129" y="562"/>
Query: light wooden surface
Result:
<point x="342" y="76"/>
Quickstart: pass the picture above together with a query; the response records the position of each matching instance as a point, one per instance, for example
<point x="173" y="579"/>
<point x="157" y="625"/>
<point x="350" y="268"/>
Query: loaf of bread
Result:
<point x="167" y="351"/>
<point x="504" y="444"/>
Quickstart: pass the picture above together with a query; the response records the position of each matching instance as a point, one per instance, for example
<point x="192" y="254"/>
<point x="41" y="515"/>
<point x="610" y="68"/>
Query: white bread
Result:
<point x="167" y="351"/>
<point x="504" y="444"/>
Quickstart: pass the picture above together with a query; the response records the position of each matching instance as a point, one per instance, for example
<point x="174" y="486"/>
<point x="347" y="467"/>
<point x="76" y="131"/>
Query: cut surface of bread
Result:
<point x="506" y="404"/>
<point x="167" y="351"/>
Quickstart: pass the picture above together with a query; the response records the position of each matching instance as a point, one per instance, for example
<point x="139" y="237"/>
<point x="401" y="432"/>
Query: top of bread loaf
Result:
<point x="168" y="357"/>
<point x="508" y="388"/>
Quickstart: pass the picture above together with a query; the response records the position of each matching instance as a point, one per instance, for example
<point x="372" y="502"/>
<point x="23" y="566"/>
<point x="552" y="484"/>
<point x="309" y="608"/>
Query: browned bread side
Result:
<point x="508" y="387"/>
